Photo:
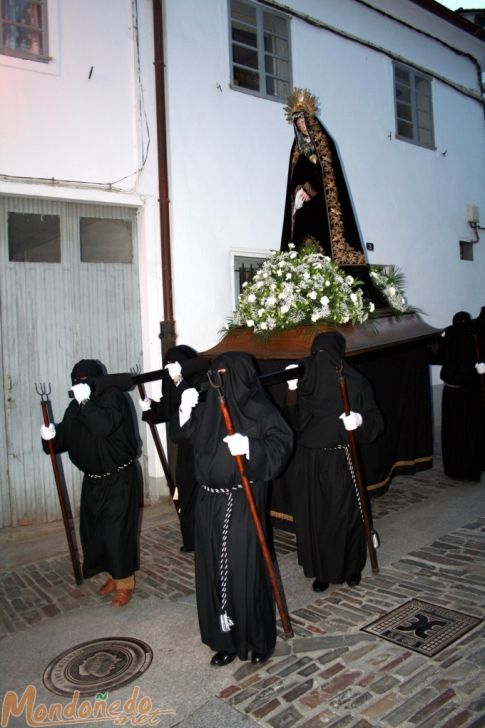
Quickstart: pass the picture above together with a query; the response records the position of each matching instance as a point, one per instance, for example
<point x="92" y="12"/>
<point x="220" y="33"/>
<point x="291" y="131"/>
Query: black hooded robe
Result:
<point x="162" y="411"/>
<point x="462" y="408"/>
<point x="328" y="524"/>
<point x="250" y="603"/>
<point x="100" y="438"/>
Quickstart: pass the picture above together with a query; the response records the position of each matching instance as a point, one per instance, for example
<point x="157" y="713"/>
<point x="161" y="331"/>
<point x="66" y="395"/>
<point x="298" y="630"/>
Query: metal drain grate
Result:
<point x="422" y="627"/>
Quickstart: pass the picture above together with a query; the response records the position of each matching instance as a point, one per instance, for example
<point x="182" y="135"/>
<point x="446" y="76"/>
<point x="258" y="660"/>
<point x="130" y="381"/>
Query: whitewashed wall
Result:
<point x="86" y="124"/>
<point x="229" y="154"/>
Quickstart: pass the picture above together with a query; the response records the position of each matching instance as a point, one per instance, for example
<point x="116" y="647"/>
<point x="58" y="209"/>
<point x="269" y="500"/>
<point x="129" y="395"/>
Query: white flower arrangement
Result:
<point x="390" y="285"/>
<point x="291" y="289"/>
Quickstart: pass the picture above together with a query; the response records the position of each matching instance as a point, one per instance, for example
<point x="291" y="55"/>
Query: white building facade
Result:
<point x="81" y="264"/>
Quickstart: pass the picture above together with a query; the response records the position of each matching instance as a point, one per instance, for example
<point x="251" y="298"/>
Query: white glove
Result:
<point x="189" y="399"/>
<point x="480" y="367"/>
<point x="81" y="392"/>
<point x="47" y="433"/>
<point x="351" y="421"/>
<point x="298" y="202"/>
<point x="175" y="371"/>
<point x="292" y="383"/>
<point x="145" y="404"/>
<point x="299" y="199"/>
<point x="238" y="444"/>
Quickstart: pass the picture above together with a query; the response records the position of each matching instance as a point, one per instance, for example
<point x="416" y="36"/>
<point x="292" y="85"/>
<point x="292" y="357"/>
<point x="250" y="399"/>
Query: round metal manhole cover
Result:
<point x="98" y="666"/>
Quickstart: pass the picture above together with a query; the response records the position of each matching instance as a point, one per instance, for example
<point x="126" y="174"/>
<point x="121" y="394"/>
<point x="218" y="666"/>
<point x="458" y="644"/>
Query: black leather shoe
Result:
<point x="219" y="659"/>
<point x="354" y="580"/>
<point x="257" y="658"/>
<point x="319" y="586"/>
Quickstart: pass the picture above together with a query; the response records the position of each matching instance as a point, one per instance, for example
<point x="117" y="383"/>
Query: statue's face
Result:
<point x="300" y="125"/>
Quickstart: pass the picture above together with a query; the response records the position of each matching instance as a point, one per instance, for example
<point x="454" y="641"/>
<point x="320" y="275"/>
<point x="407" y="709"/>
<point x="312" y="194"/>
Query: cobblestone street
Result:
<point x="330" y="673"/>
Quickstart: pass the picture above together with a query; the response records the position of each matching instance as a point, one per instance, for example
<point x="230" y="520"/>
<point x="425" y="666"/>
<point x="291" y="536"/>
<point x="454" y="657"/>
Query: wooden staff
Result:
<point x="156" y="439"/>
<point x="43" y="392"/>
<point x="285" y="619"/>
<point x="371" y="535"/>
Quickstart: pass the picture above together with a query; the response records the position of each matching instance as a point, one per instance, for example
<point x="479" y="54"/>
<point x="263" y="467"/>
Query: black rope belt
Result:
<point x="106" y="475"/>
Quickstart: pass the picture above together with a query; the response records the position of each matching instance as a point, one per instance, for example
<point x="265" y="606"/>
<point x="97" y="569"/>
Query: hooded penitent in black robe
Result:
<point x="100" y="439"/>
<point x="162" y="411"/>
<point x="462" y="409"/>
<point x="478" y="328"/>
<point x="327" y="220"/>
<point x="249" y="601"/>
<point x="328" y="523"/>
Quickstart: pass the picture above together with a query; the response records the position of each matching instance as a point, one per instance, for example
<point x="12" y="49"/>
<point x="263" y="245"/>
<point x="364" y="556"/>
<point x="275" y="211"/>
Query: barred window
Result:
<point x="414" y="107"/>
<point x="245" y="266"/>
<point x="23" y="29"/>
<point x="260" y="50"/>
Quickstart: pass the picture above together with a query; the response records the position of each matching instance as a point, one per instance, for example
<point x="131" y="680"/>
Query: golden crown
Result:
<point x="300" y="99"/>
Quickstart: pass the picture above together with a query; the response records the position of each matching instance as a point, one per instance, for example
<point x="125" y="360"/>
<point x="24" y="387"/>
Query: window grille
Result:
<point x="244" y="269"/>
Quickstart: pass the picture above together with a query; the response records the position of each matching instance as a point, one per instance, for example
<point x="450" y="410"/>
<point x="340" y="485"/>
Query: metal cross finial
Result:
<point x="43" y="390"/>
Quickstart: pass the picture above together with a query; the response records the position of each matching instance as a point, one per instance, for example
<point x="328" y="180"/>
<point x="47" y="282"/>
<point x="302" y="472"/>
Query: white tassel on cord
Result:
<point x="225" y="622"/>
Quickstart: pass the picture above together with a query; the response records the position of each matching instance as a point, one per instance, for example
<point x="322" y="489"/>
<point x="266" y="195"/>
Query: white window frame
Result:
<point x="416" y="128"/>
<point x="261" y="71"/>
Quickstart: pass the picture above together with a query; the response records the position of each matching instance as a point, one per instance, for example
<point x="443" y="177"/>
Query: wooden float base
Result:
<point x="380" y="332"/>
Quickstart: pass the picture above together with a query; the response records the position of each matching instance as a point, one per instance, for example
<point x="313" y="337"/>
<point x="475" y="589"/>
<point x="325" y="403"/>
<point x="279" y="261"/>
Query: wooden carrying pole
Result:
<point x="63" y="498"/>
<point x="285" y="619"/>
<point x="370" y="534"/>
<point x="156" y="439"/>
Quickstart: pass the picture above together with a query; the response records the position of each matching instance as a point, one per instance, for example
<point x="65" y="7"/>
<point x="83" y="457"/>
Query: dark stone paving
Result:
<point x="330" y="673"/>
<point x="45" y="588"/>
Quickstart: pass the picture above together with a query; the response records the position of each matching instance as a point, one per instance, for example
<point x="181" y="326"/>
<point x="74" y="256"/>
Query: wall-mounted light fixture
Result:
<point x="473" y="219"/>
